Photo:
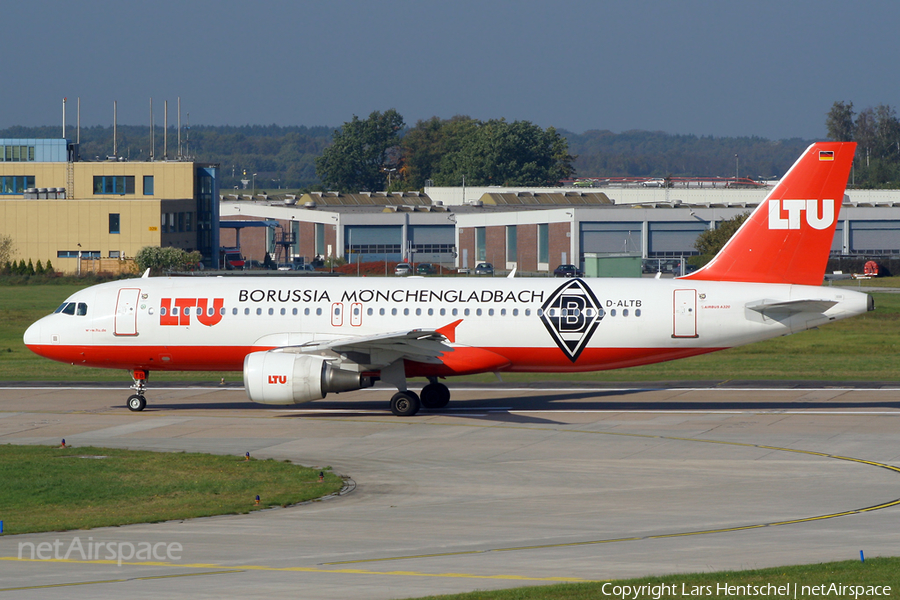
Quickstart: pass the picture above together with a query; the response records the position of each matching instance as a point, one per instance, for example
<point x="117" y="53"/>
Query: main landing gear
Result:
<point x="136" y="402"/>
<point x="434" y="395"/>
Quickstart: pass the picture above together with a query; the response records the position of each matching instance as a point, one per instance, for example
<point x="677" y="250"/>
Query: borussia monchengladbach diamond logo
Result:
<point x="571" y="315"/>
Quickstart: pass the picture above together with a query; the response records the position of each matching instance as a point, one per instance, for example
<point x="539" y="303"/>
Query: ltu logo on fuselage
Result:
<point x="179" y="312"/>
<point x="571" y="315"/>
<point x="816" y="217"/>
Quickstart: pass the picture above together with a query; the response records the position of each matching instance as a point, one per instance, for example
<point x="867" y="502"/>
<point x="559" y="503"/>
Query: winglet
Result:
<point x="788" y="238"/>
<point x="146" y="274"/>
<point x="449" y="331"/>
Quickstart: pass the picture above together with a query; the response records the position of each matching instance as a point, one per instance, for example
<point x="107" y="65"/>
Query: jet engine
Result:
<point x="289" y="378"/>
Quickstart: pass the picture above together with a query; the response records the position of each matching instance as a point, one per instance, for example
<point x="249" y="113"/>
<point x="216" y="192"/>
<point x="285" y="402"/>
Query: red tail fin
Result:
<point x="788" y="237"/>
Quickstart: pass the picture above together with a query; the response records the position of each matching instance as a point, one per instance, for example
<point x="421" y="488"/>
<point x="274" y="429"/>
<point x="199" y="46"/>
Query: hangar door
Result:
<point x="611" y="236"/>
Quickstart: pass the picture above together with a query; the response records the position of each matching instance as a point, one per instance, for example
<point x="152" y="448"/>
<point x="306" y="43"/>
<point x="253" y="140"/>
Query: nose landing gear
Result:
<point x="136" y="402"/>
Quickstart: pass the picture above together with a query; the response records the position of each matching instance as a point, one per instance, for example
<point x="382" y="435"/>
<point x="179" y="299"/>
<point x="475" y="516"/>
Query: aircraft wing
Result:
<point x="374" y="351"/>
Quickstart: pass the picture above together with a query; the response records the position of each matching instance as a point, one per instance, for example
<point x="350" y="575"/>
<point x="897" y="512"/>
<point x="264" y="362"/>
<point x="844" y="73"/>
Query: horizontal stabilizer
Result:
<point x="791" y="307"/>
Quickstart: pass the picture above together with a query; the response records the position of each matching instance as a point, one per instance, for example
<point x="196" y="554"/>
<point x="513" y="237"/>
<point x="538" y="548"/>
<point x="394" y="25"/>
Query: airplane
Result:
<point x="297" y="340"/>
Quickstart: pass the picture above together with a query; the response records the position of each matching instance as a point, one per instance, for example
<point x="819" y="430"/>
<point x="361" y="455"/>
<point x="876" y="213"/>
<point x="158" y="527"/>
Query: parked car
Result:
<point x="233" y="260"/>
<point x="403" y="269"/>
<point x="425" y="269"/>
<point x="484" y="268"/>
<point x="655" y="182"/>
<point x="567" y="271"/>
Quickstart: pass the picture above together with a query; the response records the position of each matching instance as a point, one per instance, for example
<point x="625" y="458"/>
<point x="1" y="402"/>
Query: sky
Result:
<point x="705" y="67"/>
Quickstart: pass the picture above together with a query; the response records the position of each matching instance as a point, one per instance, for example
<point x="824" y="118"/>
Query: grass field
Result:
<point x="863" y="348"/>
<point x="880" y="572"/>
<point x="57" y="489"/>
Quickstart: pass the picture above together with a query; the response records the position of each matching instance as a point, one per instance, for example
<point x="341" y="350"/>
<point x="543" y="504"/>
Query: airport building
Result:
<point x="533" y="230"/>
<point x="59" y="208"/>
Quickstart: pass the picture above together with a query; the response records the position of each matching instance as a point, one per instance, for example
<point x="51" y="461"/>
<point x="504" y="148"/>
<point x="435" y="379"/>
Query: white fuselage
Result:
<point x="525" y="324"/>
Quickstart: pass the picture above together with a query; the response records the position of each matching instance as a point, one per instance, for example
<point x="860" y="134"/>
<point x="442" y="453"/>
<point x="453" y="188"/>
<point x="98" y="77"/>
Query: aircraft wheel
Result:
<point x="405" y="404"/>
<point x="435" y="395"/>
<point x="136" y="403"/>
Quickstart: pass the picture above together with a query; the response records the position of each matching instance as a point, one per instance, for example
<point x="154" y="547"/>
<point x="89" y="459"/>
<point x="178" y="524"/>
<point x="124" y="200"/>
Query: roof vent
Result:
<point x="309" y="204"/>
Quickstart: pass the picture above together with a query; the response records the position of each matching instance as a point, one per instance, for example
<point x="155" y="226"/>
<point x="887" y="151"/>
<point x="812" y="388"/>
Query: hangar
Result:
<point x="533" y="230"/>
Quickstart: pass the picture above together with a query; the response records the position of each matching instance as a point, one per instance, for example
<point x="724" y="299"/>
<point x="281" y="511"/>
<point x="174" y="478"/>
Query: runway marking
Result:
<point x="855" y="511"/>
<point x="244" y="568"/>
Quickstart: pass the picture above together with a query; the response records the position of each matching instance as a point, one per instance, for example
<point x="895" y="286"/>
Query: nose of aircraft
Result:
<point x="32" y="335"/>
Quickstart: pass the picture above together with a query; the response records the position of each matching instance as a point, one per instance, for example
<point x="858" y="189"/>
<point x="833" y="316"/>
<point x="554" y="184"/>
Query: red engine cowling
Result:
<point x="289" y="378"/>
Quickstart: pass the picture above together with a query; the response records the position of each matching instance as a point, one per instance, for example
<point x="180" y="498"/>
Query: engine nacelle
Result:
<point x="289" y="378"/>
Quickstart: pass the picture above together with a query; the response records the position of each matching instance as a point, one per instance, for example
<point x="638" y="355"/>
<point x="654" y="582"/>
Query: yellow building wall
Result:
<point x="40" y="228"/>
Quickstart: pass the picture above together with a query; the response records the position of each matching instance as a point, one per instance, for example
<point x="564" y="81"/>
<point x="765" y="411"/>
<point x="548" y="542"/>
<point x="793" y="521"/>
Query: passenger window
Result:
<point x="443" y="311"/>
<point x="466" y="312"/>
<point x="258" y="311"/>
<point x="405" y="312"/>
<point x="81" y="310"/>
<point x="527" y="312"/>
<point x="306" y="312"/>
<point x="381" y="311"/>
<point x="418" y="312"/>
<point x="455" y="312"/>
<point x="283" y="312"/>
<point x="612" y="313"/>
<point x="246" y="311"/>
<point x="294" y="311"/>
<point x="515" y="312"/>
<point x="430" y="311"/>
<point x="477" y="312"/>
<point x="490" y="312"/>
<point x="370" y="311"/>
<point x="234" y="311"/>
<point x="637" y="312"/>
<point x="318" y="312"/>
<point x="393" y="312"/>
<point x="624" y="312"/>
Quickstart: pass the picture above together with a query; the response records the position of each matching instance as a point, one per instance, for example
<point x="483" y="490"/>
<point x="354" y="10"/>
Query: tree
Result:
<point x="839" y="122"/>
<point x="6" y="248"/>
<point x="360" y="153"/>
<point x="160" y="260"/>
<point x="499" y="153"/>
<point x="711" y="241"/>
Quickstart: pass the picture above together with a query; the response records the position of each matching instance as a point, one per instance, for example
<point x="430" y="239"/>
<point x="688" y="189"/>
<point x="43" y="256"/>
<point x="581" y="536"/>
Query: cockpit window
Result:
<point x="72" y="308"/>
